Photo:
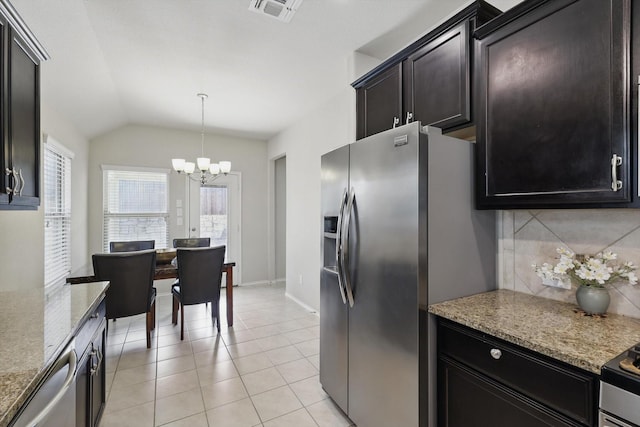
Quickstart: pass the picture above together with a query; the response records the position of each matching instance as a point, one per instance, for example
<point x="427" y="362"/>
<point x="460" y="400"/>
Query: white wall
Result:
<point x="22" y="232"/>
<point x="147" y="146"/>
<point x="326" y="128"/>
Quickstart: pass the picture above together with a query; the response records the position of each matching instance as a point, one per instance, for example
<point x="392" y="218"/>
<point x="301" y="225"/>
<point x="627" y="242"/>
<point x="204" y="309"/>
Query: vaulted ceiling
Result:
<point x="115" y="62"/>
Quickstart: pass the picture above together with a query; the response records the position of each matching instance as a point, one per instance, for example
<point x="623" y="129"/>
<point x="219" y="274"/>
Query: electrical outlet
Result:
<point x="556" y="283"/>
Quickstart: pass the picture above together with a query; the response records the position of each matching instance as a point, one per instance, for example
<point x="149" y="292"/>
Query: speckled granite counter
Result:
<point x="35" y="326"/>
<point x="546" y="326"/>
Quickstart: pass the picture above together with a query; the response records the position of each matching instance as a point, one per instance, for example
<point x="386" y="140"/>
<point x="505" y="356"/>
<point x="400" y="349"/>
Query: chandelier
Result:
<point x="208" y="171"/>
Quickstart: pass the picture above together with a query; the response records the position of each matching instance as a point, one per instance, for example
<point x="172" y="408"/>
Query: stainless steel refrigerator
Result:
<point x="400" y="232"/>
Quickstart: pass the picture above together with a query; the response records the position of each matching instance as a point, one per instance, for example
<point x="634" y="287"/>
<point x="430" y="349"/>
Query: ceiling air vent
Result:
<point x="281" y="10"/>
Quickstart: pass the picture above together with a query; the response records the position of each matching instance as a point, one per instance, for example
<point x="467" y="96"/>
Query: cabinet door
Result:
<point x="437" y="87"/>
<point x="379" y="103"/>
<point x="24" y="121"/>
<point x="82" y="390"/>
<point x="553" y="94"/>
<point x="467" y="399"/>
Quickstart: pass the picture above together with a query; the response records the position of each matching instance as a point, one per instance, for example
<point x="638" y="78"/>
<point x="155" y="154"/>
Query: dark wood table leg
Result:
<point x="229" y="296"/>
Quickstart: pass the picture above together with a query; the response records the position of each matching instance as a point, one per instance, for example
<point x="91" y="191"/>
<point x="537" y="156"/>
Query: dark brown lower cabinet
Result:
<point x="469" y="399"/>
<point x="91" y="379"/>
<point x="485" y="381"/>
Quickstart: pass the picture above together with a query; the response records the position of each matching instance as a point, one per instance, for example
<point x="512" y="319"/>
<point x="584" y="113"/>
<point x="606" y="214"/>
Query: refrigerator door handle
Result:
<point x="344" y="235"/>
<point x="339" y="267"/>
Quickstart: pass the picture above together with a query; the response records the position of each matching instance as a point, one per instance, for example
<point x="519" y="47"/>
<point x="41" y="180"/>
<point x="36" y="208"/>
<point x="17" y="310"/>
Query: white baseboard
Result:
<point x="256" y="283"/>
<point x="303" y="305"/>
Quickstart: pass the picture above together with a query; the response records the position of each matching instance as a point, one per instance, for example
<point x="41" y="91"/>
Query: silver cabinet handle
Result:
<point x="21" y="182"/>
<point x="339" y="266"/>
<point x="616" y="161"/>
<point x="95" y="365"/>
<point x="496" y="353"/>
<point x="345" y="246"/>
<point x="409" y="118"/>
<point x="68" y="358"/>
<point x="9" y="173"/>
<point x="396" y="121"/>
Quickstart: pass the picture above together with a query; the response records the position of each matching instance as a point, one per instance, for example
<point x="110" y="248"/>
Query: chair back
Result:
<point x="134" y="245"/>
<point x="131" y="277"/>
<point x="200" y="274"/>
<point x="192" y="242"/>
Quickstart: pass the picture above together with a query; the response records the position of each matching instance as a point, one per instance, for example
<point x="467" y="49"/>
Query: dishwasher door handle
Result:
<point x="70" y="358"/>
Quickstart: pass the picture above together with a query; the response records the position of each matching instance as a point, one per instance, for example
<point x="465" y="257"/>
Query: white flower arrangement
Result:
<point x="587" y="270"/>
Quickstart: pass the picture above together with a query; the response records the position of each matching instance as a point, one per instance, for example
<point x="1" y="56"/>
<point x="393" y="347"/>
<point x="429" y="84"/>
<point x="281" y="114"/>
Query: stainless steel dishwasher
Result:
<point x="54" y="402"/>
<point x="620" y="390"/>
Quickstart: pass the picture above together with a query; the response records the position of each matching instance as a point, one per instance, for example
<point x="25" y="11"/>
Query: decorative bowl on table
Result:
<point x="164" y="256"/>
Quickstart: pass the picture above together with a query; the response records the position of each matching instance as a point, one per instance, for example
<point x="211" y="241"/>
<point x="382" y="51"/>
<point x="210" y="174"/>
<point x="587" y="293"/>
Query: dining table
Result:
<point x="163" y="270"/>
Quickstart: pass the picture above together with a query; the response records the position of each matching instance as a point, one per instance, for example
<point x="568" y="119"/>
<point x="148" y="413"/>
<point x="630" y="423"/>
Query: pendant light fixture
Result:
<point x="208" y="171"/>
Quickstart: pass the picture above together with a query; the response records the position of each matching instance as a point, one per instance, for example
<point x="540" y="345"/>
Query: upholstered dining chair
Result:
<point x="199" y="280"/>
<point x="192" y="242"/>
<point x="131" y="290"/>
<point x="133" y="245"/>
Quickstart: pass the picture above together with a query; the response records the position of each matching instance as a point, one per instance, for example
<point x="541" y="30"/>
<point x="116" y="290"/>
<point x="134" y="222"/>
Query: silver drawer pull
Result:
<point x="496" y="353"/>
<point x="616" y="184"/>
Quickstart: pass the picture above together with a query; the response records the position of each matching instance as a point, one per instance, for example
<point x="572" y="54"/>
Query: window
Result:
<point x="57" y="211"/>
<point x="135" y="205"/>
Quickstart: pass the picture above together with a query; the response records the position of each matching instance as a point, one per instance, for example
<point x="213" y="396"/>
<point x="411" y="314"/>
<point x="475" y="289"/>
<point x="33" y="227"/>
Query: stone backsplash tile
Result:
<point x="528" y="237"/>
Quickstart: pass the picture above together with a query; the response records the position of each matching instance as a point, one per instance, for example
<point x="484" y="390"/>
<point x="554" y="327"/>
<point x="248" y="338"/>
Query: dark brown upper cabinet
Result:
<point x="20" y="57"/>
<point x="552" y="106"/>
<point x="430" y="80"/>
<point x="379" y="102"/>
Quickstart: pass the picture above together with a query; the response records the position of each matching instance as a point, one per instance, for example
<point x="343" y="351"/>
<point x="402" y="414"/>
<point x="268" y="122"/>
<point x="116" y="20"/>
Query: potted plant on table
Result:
<point x="592" y="273"/>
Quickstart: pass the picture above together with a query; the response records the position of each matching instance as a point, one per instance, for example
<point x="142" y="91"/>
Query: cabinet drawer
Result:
<point x="88" y="330"/>
<point x="567" y="390"/>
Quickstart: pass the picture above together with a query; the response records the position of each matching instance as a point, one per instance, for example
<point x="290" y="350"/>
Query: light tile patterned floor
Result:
<point x="261" y="372"/>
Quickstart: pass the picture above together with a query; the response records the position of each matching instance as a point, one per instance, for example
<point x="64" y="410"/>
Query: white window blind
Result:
<point x="57" y="212"/>
<point x="135" y="206"/>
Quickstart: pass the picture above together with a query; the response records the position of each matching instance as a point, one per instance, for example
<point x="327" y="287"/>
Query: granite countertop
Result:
<point x="35" y="326"/>
<point x="546" y="326"/>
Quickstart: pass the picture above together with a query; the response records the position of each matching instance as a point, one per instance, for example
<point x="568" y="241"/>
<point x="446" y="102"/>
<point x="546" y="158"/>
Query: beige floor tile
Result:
<point x="223" y="392"/>
<point x="252" y="363"/>
<point x="235" y="337"/>
<point x="299" y="418"/>
<point x="176" y="350"/>
<point x="309" y="391"/>
<point x="135" y="375"/>
<point x="273" y="342"/>
<point x="131" y="395"/>
<point x="173" y="339"/>
<point x="132" y="359"/>
<point x="206" y="332"/>
<point x="327" y="414"/>
<point x="176" y="383"/>
<point x="213" y="373"/>
<point x="209" y="344"/>
<point x="315" y="360"/>
<point x="138" y="335"/>
<point x="178" y="406"/>
<point x="136" y="416"/>
<point x="235" y="414"/>
<point x="297" y="370"/>
<point x="308" y="348"/>
<point x="139" y="345"/>
<point x="275" y="403"/>
<point x="212" y="355"/>
<point x="284" y="355"/>
<point x="299" y="335"/>
<point x="261" y="381"/>
<point x="197" y="420"/>
<point x="175" y="365"/>
<point x="243" y="349"/>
